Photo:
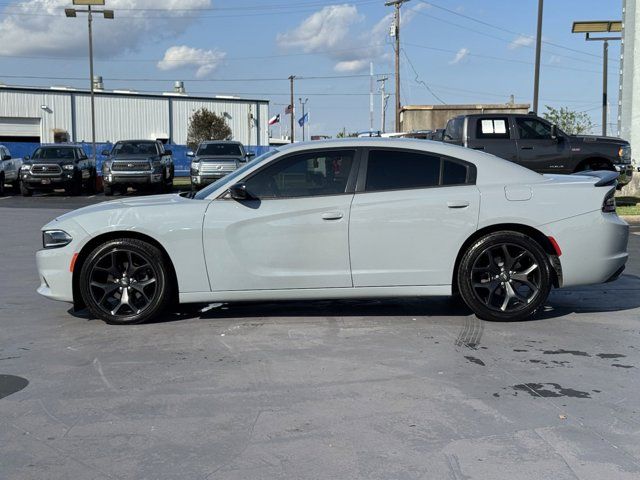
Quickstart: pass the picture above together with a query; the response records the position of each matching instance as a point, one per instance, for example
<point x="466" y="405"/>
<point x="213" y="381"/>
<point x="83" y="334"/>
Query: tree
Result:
<point x="206" y="125"/>
<point x="569" y="121"/>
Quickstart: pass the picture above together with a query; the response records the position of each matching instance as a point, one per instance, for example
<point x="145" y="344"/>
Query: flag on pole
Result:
<point x="303" y="120"/>
<point x="288" y="110"/>
<point x="274" y="120"/>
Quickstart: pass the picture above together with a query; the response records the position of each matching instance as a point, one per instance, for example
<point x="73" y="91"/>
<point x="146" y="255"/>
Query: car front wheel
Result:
<point x="125" y="281"/>
<point x="505" y="276"/>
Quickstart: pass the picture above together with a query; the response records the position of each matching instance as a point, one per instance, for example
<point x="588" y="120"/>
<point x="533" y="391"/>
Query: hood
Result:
<point x="49" y="161"/>
<point x="219" y="158"/>
<point x="599" y="139"/>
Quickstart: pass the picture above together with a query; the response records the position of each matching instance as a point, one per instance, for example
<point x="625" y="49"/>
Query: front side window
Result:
<point x="397" y="170"/>
<point x="533" y="129"/>
<point x="493" y="128"/>
<point x="304" y="175"/>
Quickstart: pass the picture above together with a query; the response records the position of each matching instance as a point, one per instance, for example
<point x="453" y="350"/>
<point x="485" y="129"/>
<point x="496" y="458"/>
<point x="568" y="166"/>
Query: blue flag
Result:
<point x="303" y="120"/>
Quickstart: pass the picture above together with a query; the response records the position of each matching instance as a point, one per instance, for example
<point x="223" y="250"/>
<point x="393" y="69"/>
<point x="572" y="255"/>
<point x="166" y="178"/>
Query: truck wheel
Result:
<point x="505" y="276"/>
<point x="75" y="188"/>
<point x="92" y="185"/>
<point x="108" y="190"/>
<point x="25" y="191"/>
<point x="2" y="185"/>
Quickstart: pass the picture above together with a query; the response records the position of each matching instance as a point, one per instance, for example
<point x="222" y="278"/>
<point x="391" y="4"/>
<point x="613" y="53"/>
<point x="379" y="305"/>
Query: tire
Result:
<point x="2" y="188"/>
<point x="108" y="191"/>
<point x="112" y="278"/>
<point x="92" y="185"/>
<point x="15" y="185"/>
<point x="75" y="188"/>
<point x="25" y="191"/>
<point x="505" y="276"/>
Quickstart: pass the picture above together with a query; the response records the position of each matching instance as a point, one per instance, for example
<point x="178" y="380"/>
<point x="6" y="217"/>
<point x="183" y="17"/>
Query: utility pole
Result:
<point x="605" y="76"/>
<point x="383" y="103"/>
<point x="371" y="84"/>
<point x="291" y="79"/>
<point x="396" y="33"/>
<point x="536" y="75"/>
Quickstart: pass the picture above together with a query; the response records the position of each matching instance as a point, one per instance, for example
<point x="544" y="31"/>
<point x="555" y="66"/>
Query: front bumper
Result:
<point x="131" y="178"/>
<point x="594" y="247"/>
<point x="40" y="182"/>
<point x="205" y="179"/>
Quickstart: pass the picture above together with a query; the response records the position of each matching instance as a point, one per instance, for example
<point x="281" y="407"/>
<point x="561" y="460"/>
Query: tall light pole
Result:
<point x="604" y="26"/>
<point x="109" y="15"/>
<point x="396" y="33"/>
<point x="303" y="119"/>
<point x="293" y="120"/>
<point x="536" y="74"/>
<point x="383" y="104"/>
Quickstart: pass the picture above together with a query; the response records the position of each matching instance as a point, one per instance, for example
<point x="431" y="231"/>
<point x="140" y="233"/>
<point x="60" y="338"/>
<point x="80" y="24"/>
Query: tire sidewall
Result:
<point x="156" y="260"/>
<point x="472" y="254"/>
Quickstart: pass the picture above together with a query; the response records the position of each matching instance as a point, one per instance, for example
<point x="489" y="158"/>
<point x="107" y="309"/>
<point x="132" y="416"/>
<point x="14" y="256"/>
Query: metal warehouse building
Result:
<point x="62" y="114"/>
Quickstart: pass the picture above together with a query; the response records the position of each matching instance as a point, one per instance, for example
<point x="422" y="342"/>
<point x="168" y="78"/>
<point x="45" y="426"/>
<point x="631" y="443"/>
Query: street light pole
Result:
<point x="109" y="15"/>
<point x="303" y="119"/>
<point x="536" y="75"/>
<point x="293" y="125"/>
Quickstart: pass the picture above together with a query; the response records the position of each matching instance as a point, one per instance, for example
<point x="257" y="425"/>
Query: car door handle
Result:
<point x="458" y="204"/>
<point x="332" y="216"/>
<point x="526" y="148"/>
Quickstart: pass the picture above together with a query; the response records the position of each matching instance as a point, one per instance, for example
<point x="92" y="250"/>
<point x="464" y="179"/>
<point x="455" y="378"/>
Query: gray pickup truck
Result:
<point x="139" y="164"/>
<point x="214" y="160"/>
<point x="539" y="145"/>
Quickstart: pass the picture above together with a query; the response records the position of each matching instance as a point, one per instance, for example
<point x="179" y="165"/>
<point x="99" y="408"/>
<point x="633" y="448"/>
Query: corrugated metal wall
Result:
<point x="56" y="115"/>
<point x="121" y="117"/>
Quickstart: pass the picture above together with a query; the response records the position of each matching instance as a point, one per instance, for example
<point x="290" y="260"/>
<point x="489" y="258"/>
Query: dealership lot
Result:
<point x="372" y="389"/>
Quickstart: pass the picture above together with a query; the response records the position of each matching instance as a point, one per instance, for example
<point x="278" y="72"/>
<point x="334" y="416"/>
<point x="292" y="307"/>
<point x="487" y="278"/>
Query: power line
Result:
<point x="251" y="79"/>
<point x="420" y="82"/>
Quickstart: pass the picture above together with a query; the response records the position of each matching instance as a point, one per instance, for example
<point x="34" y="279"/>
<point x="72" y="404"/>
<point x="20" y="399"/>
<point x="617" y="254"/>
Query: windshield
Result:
<point x="220" y="149"/>
<point x="54" y="154"/>
<point x="205" y="192"/>
<point x="135" y="148"/>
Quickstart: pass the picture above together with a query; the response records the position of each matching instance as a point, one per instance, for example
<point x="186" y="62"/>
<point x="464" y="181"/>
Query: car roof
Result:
<point x="49" y="147"/>
<point x="137" y="141"/>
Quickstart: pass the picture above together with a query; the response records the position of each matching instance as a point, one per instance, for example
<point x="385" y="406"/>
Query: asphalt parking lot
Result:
<point x="416" y="389"/>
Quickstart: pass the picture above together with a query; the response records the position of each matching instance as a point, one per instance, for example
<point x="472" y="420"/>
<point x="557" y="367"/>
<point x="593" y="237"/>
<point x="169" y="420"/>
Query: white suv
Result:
<point x="9" y="169"/>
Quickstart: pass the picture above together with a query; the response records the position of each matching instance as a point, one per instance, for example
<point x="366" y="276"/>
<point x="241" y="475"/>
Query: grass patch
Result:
<point x="182" y="181"/>
<point x="628" y="205"/>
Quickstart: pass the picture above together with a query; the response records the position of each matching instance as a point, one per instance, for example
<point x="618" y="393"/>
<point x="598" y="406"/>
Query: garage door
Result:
<point x="19" y="129"/>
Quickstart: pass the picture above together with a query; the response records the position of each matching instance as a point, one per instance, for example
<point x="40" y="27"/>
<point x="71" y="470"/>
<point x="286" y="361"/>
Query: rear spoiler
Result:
<point x="606" y="177"/>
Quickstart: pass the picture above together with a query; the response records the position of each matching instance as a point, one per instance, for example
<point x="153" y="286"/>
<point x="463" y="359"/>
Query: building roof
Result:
<point x="471" y="106"/>
<point x="126" y="93"/>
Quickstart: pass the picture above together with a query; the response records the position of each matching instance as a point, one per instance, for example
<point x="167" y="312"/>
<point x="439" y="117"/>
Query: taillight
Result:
<point x="609" y="204"/>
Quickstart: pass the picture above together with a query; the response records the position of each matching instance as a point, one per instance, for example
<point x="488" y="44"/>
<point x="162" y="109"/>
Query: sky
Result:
<point x="453" y="51"/>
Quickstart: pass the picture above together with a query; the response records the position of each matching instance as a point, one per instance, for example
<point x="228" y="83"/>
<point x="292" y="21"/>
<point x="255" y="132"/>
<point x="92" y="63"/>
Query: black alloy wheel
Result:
<point x="125" y="281"/>
<point x="505" y="276"/>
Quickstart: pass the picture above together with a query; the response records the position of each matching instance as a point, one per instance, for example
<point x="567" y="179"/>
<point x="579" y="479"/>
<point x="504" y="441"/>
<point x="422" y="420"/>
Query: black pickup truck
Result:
<point x="539" y="145"/>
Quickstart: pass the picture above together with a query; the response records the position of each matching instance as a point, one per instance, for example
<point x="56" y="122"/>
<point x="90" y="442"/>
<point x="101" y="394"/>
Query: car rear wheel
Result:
<point x="125" y="281"/>
<point x="505" y="276"/>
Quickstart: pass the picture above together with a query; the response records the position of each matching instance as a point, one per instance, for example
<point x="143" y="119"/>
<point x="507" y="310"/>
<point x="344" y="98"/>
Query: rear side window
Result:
<point x="454" y="173"/>
<point x="497" y="128"/>
<point x="397" y="170"/>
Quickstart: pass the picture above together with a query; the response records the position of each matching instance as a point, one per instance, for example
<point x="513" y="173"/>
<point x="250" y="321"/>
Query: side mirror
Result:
<point x="554" y="132"/>
<point x="106" y="153"/>
<point x="190" y="154"/>
<point x="168" y="152"/>
<point x="250" y="154"/>
<point x="26" y="157"/>
<point x="239" y="192"/>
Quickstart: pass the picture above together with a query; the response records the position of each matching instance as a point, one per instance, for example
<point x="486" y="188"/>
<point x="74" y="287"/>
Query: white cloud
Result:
<point x="326" y="28"/>
<point x="334" y="30"/>
<point x="521" y="41"/>
<point x="181" y="56"/>
<point x="40" y="26"/>
<point x="460" y="56"/>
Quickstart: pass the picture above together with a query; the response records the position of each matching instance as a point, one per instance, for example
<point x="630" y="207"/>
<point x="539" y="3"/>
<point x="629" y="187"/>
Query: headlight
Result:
<point x="25" y="168"/>
<point x="55" y="239"/>
<point x="624" y="153"/>
<point x="69" y="167"/>
<point x="106" y="165"/>
<point x="195" y="166"/>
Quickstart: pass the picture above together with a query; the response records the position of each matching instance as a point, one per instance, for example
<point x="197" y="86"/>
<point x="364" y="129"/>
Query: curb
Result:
<point x="631" y="219"/>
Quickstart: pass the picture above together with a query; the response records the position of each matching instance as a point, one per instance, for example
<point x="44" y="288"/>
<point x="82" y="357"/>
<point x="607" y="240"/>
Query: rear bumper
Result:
<point x="594" y="247"/>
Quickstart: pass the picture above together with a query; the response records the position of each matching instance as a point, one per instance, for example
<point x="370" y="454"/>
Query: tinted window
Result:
<point x="395" y="170"/>
<point x="135" y="148"/>
<point x="453" y="132"/>
<point x="492" y="128"/>
<point x="453" y="173"/>
<point x="304" y="175"/>
<point x="215" y="149"/>
<point x="51" y="153"/>
<point x="533" y="129"/>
